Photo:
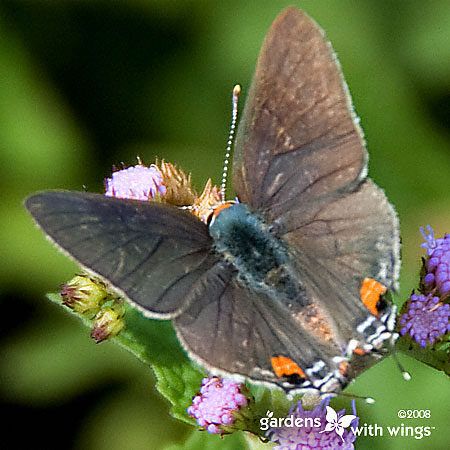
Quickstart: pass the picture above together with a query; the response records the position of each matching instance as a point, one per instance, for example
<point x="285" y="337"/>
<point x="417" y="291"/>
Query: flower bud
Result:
<point x="108" y="323"/>
<point x="84" y="295"/>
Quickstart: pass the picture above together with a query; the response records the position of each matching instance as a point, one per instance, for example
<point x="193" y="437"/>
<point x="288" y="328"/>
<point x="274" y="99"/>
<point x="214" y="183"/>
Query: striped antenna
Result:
<point x="235" y="97"/>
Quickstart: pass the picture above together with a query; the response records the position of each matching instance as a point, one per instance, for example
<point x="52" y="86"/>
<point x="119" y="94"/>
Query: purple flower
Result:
<point x="426" y="319"/>
<point x="136" y="182"/>
<point x="329" y="429"/>
<point x="431" y="243"/>
<point x="216" y="404"/>
<point x="438" y="262"/>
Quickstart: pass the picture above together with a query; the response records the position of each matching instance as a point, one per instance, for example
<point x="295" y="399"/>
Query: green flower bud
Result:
<point x="108" y="323"/>
<point x="84" y="295"/>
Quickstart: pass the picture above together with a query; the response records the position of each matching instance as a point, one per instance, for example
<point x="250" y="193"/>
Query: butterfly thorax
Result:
<point x="261" y="259"/>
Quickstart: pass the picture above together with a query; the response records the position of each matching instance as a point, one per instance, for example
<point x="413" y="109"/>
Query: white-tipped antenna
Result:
<point x="235" y="98"/>
<point x="369" y="400"/>
<point x="405" y="374"/>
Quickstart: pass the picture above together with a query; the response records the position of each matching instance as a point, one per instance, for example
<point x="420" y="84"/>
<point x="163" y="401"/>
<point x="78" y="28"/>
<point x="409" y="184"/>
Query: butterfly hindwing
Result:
<point x="353" y="238"/>
<point x="236" y="330"/>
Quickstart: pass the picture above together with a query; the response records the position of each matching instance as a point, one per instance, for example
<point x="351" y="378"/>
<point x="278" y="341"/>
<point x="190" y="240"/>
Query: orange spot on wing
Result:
<point x="284" y="367"/>
<point x="359" y="351"/>
<point x="370" y="293"/>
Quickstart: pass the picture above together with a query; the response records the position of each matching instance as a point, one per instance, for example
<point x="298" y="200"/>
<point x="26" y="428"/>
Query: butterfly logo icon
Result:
<point x="338" y="424"/>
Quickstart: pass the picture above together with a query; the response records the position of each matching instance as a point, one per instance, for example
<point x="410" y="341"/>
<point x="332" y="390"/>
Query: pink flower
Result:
<point x="136" y="182"/>
<point x="215" y="404"/>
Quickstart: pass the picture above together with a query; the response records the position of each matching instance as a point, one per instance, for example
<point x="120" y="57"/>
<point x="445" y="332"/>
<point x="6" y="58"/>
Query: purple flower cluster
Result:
<point x="426" y="316"/>
<point x="426" y="319"/>
<point x="339" y="436"/>
<point x="216" y="404"/>
<point x="136" y="182"/>
<point x="438" y="262"/>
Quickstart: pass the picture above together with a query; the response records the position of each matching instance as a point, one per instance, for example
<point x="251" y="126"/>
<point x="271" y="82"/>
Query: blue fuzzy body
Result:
<point x="260" y="258"/>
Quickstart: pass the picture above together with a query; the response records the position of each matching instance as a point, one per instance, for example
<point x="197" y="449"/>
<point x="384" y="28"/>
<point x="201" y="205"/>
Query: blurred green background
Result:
<point x="88" y="84"/>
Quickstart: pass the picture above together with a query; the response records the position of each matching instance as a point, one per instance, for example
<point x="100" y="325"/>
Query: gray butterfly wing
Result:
<point x="301" y="162"/>
<point x="297" y="139"/>
<point x="300" y="152"/>
<point x="151" y="252"/>
<point x="338" y="244"/>
<point x="232" y="329"/>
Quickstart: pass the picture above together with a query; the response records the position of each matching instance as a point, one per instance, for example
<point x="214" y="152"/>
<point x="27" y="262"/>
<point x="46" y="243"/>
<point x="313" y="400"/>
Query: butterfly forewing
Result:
<point x="297" y="140"/>
<point x="152" y="252"/>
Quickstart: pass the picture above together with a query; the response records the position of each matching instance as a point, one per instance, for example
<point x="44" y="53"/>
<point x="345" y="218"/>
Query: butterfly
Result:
<point x="336" y="423"/>
<point x="283" y="286"/>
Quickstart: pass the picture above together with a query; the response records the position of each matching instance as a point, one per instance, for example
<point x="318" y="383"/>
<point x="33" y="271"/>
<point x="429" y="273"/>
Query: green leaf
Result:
<point x="271" y="399"/>
<point x="154" y="342"/>
<point x="202" y="440"/>
<point x="437" y="356"/>
<point x="178" y="383"/>
<point x="256" y="443"/>
<point x="264" y="400"/>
